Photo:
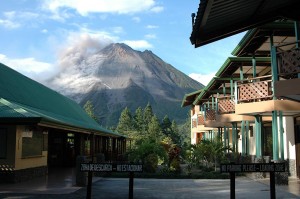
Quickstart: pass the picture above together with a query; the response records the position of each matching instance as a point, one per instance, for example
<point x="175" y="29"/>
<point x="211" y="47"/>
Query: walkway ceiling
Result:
<point x="217" y="19"/>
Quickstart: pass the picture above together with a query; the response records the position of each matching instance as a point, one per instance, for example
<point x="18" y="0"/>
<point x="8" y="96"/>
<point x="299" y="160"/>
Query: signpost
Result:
<point x="252" y="167"/>
<point x="110" y="167"/>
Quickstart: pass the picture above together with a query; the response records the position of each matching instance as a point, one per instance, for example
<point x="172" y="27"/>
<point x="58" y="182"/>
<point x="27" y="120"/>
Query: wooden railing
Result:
<point x="210" y="114"/>
<point x="288" y="62"/>
<point x="254" y="89"/>
<point x="226" y="105"/>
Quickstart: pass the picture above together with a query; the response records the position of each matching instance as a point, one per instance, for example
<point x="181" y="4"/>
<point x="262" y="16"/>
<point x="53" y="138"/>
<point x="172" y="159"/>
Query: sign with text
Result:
<point x="109" y="167"/>
<point x="253" y="167"/>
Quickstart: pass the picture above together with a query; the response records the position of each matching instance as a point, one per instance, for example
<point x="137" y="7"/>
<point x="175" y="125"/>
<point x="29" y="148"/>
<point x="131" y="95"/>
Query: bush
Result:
<point x="150" y="163"/>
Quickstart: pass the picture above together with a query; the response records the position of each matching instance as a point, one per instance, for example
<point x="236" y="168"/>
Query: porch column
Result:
<point x="247" y="138"/>
<point x="219" y="133"/>
<point x="234" y="137"/>
<point x="243" y="137"/>
<point x="275" y="136"/>
<point x="281" y="131"/>
<point x="258" y="120"/>
<point x="231" y="88"/>
<point x="224" y="89"/>
<point x="204" y="135"/>
<point x="241" y="73"/>
<point x="273" y="65"/>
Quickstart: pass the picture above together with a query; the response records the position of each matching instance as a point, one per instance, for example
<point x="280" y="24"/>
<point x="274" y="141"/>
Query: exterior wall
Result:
<point x="28" y="162"/>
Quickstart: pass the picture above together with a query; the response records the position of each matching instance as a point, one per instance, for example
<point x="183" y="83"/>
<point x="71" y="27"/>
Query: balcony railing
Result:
<point x="254" y="89"/>
<point x="226" y="105"/>
<point x="210" y="114"/>
<point x="288" y="62"/>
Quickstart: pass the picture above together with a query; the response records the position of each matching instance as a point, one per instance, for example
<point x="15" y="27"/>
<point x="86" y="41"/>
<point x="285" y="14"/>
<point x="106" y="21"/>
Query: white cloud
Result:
<point x="13" y="20"/>
<point x="118" y="30"/>
<point x="157" y="9"/>
<point x="44" y="31"/>
<point x="136" y="19"/>
<point x="202" y="78"/>
<point x="103" y="6"/>
<point x="152" y="27"/>
<point x="138" y="44"/>
<point x="30" y="67"/>
<point x="150" y="36"/>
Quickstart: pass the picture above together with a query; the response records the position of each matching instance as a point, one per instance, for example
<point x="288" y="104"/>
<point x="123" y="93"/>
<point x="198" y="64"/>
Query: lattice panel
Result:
<point x="200" y="120"/>
<point x="255" y="90"/>
<point x="226" y="106"/>
<point x="210" y="114"/>
<point x="290" y="62"/>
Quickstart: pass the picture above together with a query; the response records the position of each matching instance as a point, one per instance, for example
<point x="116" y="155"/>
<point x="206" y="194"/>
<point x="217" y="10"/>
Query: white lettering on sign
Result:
<point x="111" y="167"/>
<point x="96" y="167"/>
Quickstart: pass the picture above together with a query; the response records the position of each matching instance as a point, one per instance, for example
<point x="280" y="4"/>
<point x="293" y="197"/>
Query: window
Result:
<point x="3" y="143"/>
<point x="32" y="143"/>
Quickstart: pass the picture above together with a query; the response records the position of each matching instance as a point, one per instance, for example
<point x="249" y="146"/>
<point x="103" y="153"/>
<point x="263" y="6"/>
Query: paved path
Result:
<point x="117" y="188"/>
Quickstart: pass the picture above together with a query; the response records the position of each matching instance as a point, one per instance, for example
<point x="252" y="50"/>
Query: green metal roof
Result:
<point x="189" y="98"/>
<point x="22" y="98"/>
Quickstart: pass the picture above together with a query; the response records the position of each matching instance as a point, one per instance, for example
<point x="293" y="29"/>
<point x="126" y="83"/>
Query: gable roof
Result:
<point x="217" y="19"/>
<point x="189" y="98"/>
<point x="25" y="100"/>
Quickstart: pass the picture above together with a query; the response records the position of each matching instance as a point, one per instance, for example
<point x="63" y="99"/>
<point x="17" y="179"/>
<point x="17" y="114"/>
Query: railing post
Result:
<point x="235" y="93"/>
<point x="254" y="65"/>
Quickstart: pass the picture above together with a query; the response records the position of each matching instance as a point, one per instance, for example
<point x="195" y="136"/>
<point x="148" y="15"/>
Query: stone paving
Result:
<point x="117" y="188"/>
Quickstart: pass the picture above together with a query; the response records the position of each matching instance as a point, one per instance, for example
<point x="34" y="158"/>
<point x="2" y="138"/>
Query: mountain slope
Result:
<point x="118" y="76"/>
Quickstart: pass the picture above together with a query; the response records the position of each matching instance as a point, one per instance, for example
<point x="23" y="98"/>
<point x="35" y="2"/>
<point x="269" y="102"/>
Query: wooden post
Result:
<point x="131" y="176"/>
<point x="272" y="185"/>
<point x="232" y="185"/>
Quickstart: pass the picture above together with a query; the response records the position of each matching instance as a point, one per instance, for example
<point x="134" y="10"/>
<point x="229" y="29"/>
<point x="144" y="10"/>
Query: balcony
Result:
<point x="254" y="89"/>
<point x="288" y="63"/>
<point x="226" y="105"/>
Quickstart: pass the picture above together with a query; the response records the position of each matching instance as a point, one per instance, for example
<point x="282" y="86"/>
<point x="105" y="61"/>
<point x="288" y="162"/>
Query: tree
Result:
<point x="175" y="135"/>
<point x="148" y="114"/>
<point x="166" y="126"/>
<point x="154" y="129"/>
<point x="89" y="109"/>
<point x="139" y="120"/>
<point x="125" y="124"/>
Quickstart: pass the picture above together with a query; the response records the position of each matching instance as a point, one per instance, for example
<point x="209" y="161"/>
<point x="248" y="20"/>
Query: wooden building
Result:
<point x="40" y="129"/>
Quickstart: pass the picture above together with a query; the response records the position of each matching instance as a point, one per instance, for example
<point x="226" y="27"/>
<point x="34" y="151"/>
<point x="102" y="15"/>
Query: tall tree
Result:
<point x="139" y="120"/>
<point x="166" y="126"/>
<point x="154" y="129"/>
<point x="175" y="135"/>
<point x="89" y="109"/>
<point x="148" y="113"/>
<point x="125" y="124"/>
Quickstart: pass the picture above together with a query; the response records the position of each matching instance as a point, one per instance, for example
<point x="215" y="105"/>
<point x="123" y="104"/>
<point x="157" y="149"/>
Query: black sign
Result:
<point x="254" y="167"/>
<point x="108" y="167"/>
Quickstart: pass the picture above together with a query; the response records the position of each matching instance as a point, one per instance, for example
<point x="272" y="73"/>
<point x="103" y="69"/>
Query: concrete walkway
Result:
<point x="117" y="188"/>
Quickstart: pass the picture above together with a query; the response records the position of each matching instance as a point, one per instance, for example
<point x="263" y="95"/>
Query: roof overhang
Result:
<point x="217" y="19"/>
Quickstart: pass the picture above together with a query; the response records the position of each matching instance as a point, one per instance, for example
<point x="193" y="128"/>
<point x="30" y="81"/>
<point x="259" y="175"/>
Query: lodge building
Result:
<point x="253" y="103"/>
<point x="41" y="129"/>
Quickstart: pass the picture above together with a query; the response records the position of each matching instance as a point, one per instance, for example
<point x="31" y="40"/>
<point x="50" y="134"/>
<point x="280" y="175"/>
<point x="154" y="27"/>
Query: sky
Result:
<point x="35" y="33"/>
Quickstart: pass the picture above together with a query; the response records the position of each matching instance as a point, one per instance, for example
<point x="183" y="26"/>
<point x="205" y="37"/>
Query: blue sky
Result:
<point x="35" y="33"/>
